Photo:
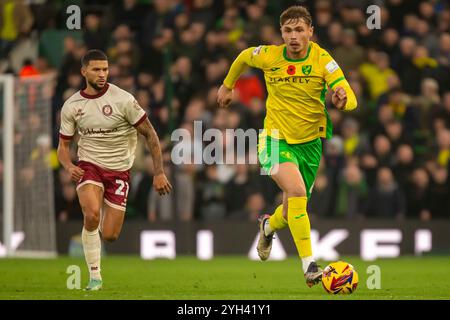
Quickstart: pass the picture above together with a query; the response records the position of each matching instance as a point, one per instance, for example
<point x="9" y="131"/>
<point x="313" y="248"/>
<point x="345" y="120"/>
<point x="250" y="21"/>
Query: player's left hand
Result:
<point x="339" y="98"/>
<point x="161" y="184"/>
<point x="224" y="96"/>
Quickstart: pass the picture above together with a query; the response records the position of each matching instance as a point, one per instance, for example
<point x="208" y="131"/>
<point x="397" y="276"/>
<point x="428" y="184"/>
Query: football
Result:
<point x="340" y="277"/>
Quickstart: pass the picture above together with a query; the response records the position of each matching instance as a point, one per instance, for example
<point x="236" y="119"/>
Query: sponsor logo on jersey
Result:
<point x="88" y="131"/>
<point x="107" y="110"/>
<point x="294" y="79"/>
<point x="79" y="113"/>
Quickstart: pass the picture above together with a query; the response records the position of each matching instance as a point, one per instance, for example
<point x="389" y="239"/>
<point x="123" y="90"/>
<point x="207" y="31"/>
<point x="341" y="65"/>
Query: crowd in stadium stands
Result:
<point x="388" y="159"/>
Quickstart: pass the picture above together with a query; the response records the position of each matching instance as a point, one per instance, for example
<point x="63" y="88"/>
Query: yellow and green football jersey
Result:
<point x="296" y="90"/>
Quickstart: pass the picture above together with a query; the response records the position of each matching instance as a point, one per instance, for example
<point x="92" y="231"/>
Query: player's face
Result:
<point x="296" y="34"/>
<point x="96" y="73"/>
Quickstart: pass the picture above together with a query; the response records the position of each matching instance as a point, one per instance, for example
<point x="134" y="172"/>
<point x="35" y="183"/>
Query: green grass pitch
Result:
<point x="222" y="278"/>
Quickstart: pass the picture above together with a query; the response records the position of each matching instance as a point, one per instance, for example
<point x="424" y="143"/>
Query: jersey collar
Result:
<point x="95" y="96"/>
<point x="297" y="60"/>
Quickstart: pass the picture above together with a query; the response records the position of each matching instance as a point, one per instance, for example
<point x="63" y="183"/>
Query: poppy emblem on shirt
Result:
<point x="107" y="110"/>
<point x="291" y="70"/>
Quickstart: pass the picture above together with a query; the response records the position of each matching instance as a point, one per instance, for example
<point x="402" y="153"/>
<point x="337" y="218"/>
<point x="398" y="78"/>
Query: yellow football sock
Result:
<point x="277" y="221"/>
<point x="299" y="225"/>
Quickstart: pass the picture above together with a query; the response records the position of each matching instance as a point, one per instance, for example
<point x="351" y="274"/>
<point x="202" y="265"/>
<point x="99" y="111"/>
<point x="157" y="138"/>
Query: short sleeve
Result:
<point x="68" y="124"/>
<point x="133" y="112"/>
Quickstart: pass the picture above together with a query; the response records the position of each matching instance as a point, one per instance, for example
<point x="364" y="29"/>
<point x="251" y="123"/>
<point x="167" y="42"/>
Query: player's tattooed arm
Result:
<point x="160" y="181"/>
<point x="146" y="129"/>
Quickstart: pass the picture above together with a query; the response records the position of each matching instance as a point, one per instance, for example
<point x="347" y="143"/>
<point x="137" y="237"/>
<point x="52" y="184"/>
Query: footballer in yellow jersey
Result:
<point x="297" y="75"/>
<point x="296" y="89"/>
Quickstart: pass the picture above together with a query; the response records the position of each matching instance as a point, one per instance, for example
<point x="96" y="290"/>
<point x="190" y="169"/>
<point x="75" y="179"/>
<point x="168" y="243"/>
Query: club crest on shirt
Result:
<point x="307" y="69"/>
<point x="107" y="110"/>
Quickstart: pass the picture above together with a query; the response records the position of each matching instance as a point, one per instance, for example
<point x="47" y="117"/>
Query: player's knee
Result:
<point x="91" y="221"/>
<point x="296" y="191"/>
<point x="91" y="216"/>
<point x="110" y="237"/>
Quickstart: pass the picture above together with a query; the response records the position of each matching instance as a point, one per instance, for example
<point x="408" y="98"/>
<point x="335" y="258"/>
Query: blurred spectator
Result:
<point x="397" y="100"/>
<point x="94" y="36"/>
<point x="321" y="204"/>
<point x="403" y="64"/>
<point x="443" y="142"/>
<point x="334" y="163"/>
<point x="395" y="133"/>
<point x="404" y="164"/>
<point x="386" y="200"/>
<point x="353" y="193"/>
<point x="443" y="55"/>
<point x="323" y="19"/>
<point x="203" y="12"/>
<point x="16" y="19"/>
<point x="44" y="154"/>
<point x="418" y="195"/>
<point x="441" y="115"/>
<point x="28" y="69"/>
<point x="390" y="40"/>
<point x="349" y="54"/>
<point x="334" y="34"/>
<point x="127" y="12"/>
<point x="353" y="142"/>
<point x="237" y="189"/>
<point x="68" y="206"/>
<point x="382" y="151"/>
<point x="185" y="82"/>
<point x="211" y="196"/>
<point x="256" y="20"/>
<point x="376" y="72"/>
<point x="439" y="194"/>
<point x="155" y="34"/>
<point x="232" y="24"/>
<point x="425" y="64"/>
<point x="254" y="206"/>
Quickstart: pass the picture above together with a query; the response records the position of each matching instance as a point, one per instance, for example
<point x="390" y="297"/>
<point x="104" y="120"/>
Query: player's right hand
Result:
<point x="224" y="96"/>
<point x="76" y="173"/>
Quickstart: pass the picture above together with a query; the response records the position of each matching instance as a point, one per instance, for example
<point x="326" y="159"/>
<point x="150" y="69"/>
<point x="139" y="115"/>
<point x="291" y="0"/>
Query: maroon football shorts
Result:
<point x="115" y="184"/>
